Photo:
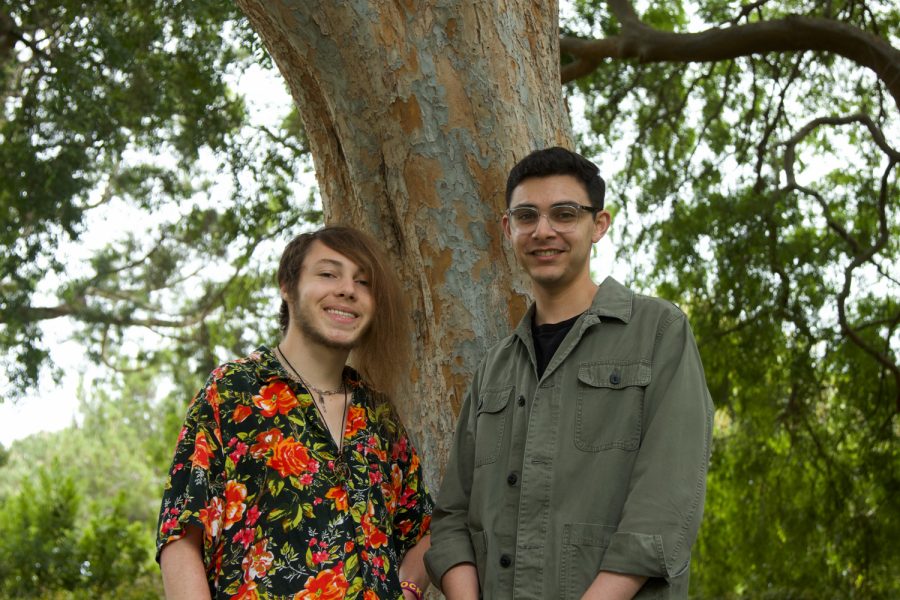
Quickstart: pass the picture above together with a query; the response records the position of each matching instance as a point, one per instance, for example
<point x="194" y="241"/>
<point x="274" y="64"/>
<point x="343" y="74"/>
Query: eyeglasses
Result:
<point x="561" y="217"/>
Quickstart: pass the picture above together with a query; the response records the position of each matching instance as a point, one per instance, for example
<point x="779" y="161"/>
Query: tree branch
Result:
<point x="882" y="357"/>
<point x="747" y="9"/>
<point x="793" y="33"/>
<point x="790" y="159"/>
<point x="87" y="315"/>
<point x="10" y="34"/>
<point x="859" y="253"/>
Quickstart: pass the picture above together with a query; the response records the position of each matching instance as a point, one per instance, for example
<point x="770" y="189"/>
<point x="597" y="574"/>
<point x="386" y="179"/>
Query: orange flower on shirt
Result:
<point x="276" y="397"/>
<point x="329" y="584"/>
<point x="265" y="441"/>
<point x="391" y="489"/>
<point x="200" y="457"/>
<point x="211" y="517"/>
<point x="356" y="420"/>
<point x="339" y="495"/>
<point x="246" y="592"/>
<point x="257" y="562"/>
<point x="291" y="458"/>
<point x="235" y="494"/>
<point x="375" y="538"/>
<point x="241" y="412"/>
<point x="370" y="595"/>
<point x="212" y="396"/>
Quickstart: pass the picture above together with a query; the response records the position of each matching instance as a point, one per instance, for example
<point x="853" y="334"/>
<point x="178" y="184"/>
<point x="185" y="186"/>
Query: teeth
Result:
<point x="546" y="252"/>
<point x="341" y="313"/>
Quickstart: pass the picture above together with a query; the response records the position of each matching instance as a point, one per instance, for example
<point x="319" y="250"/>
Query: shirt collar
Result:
<point x="269" y="367"/>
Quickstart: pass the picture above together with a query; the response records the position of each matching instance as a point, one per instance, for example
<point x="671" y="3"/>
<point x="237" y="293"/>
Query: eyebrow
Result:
<point x="560" y="203"/>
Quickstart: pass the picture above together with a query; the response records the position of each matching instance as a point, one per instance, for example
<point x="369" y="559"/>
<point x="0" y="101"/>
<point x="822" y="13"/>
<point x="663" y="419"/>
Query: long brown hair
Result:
<point x="382" y="356"/>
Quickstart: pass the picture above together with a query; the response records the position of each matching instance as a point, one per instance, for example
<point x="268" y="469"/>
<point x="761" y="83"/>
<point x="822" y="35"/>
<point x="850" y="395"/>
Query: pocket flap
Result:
<point x="587" y="534"/>
<point x="614" y="375"/>
<point x="494" y="401"/>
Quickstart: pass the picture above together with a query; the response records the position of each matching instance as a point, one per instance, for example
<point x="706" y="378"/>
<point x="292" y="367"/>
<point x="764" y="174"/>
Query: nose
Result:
<point x="543" y="228"/>
<point x="346" y="287"/>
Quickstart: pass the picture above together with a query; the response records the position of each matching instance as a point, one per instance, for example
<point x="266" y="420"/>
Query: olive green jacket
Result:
<point x="598" y="465"/>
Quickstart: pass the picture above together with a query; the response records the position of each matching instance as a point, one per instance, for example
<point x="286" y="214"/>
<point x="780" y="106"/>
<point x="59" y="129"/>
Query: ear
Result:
<point x="601" y="225"/>
<point x="284" y="295"/>
<point x="506" y="228"/>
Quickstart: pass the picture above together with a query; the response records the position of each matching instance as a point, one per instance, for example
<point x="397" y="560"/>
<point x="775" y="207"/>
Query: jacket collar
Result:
<point x="612" y="300"/>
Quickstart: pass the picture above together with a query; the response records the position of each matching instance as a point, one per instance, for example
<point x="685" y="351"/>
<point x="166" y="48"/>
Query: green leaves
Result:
<point x="769" y="206"/>
<point x="80" y="505"/>
<point x="134" y="112"/>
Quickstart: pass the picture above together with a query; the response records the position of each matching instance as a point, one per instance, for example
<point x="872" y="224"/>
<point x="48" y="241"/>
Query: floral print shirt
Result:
<point x="284" y="515"/>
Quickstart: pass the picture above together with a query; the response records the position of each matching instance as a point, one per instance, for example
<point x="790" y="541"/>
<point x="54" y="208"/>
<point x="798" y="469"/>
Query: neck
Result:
<point x="320" y="366"/>
<point x="553" y="305"/>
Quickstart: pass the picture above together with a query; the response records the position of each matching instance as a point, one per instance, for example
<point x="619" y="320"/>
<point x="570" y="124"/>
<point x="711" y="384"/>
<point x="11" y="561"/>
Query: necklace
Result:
<point x="341" y="468"/>
<point x="320" y="392"/>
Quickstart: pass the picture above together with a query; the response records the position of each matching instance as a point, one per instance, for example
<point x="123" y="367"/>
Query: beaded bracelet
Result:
<point x="412" y="587"/>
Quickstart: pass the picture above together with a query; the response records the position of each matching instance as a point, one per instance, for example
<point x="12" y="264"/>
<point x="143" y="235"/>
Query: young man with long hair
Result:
<point x="293" y="476"/>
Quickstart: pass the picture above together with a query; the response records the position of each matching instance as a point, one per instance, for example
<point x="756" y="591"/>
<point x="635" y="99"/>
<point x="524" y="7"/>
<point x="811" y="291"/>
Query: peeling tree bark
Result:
<point x="415" y="112"/>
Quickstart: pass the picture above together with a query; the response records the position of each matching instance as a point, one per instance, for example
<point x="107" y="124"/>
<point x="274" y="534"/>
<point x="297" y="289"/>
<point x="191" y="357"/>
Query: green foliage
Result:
<point x="80" y="505"/>
<point x="38" y="538"/>
<point x="791" y="288"/>
<point x="112" y="107"/>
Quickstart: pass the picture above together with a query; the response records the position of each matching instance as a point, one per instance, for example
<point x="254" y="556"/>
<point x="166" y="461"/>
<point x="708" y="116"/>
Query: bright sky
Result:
<point x="55" y="406"/>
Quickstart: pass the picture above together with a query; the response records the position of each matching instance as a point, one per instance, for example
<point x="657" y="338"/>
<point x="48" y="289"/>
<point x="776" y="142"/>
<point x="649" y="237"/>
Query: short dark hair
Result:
<point x="558" y="161"/>
<point x="381" y="358"/>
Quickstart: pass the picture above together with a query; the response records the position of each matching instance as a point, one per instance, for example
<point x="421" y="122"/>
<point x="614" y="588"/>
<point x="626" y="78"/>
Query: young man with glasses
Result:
<point x="579" y="463"/>
<point x="293" y="476"/>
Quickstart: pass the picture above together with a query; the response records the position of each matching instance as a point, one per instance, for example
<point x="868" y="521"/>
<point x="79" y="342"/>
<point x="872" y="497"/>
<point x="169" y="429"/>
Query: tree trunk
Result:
<point x="415" y="111"/>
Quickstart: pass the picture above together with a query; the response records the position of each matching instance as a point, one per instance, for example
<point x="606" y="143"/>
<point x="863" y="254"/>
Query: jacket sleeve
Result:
<point x="450" y="541"/>
<point x="664" y="505"/>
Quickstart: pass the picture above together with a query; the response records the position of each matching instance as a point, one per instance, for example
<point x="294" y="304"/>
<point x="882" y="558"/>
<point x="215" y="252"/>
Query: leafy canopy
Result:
<point x="115" y="108"/>
<point x="765" y="189"/>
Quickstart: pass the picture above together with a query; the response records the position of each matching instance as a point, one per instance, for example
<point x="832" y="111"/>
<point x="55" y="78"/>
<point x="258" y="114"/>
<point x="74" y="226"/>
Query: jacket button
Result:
<point x="512" y="478"/>
<point x="614" y="379"/>
<point x="521" y="400"/>
<point x="505" y="561"/>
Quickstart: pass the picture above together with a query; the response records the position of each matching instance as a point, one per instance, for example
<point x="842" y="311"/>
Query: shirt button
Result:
<point x="505" y="561"/>
<point x="614" y="379"/>
<point x="512" y="478"/>
<point x="521" y="400"/>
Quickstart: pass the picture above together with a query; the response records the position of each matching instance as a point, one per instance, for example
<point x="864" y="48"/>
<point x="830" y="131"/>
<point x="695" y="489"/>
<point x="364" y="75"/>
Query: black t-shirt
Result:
<point x="547" y="338"/>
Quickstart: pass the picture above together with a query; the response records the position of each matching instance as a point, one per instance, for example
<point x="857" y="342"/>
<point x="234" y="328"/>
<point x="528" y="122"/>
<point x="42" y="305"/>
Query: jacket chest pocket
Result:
<point x="491" y="424"/>
<point x="609" y="405"/>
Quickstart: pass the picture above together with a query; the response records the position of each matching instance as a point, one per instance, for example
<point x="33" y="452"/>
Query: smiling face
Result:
<point x="555" y="261"/>
<point x="332" y="305"/>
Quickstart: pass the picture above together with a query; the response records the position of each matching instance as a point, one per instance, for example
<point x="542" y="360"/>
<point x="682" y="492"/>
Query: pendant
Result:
<point x="342" y="469"/>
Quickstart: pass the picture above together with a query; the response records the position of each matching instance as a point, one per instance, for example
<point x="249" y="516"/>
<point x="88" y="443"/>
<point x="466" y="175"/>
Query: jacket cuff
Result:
<point x="636" y="554"/>
<point x="449" y="553"/>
